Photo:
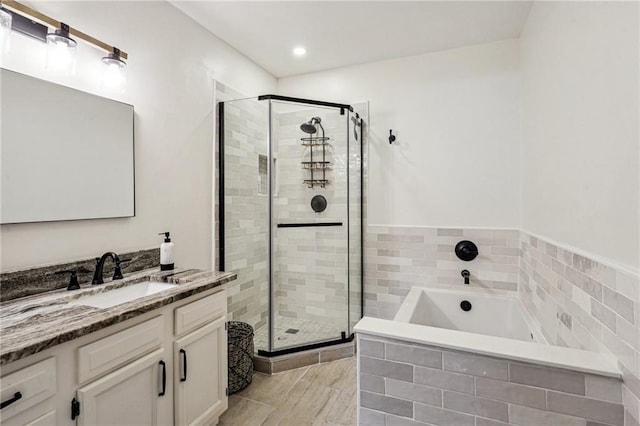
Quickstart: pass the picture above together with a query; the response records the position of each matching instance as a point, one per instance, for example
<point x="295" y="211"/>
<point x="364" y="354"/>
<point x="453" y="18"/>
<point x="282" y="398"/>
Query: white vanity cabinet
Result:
<point x="200" y="361"/>
<point x="200" y="364"/>
<point x="129" y="373"/>
<point x="128" y="396"/>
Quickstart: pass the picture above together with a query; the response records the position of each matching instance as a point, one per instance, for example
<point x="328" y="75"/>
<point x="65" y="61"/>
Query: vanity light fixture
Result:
<point x="114" y="69"/>
<point x="61" y="50"/>
<point x="5" y="30"/>
<point x="61" y="42"/>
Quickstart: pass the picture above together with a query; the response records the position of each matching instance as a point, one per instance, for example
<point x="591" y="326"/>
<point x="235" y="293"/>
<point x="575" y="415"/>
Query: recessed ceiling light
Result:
<point x="299" y="51"/>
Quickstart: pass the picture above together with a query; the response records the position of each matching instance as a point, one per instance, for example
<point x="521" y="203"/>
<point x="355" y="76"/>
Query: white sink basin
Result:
<point x="126" y="294"/>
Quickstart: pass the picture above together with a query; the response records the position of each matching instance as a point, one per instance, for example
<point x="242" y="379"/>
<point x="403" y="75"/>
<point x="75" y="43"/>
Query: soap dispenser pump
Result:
<point x="166" y="253"/>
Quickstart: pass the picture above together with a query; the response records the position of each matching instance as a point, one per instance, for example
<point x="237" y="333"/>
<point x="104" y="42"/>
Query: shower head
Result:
<point x="310" y="126"/>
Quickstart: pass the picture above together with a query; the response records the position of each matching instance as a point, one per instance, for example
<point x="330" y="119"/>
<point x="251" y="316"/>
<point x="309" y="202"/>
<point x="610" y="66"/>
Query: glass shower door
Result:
<point x="244" y="216"/>
<point x="309" y="226"/>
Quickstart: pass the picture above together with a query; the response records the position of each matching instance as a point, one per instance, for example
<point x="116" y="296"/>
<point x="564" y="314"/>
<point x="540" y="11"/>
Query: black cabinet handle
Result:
<point x="16" y="397"/>
<point x="184" y="365"/>
<point x="164" y="378"/>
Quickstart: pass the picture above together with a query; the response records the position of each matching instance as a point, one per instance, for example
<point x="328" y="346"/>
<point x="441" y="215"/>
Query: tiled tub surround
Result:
<point x="32" y="324"/>
<point x="398" y="258"/>
<point x="26" y="282"/>
<point x="404" y="383"/>
<point x="582" y="303"/>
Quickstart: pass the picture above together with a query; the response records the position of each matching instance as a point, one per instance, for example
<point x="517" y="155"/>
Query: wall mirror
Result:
<point x="65" y="154"/>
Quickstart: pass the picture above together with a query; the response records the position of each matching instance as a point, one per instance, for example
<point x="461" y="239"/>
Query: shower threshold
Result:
<point x="304" y="356"/>
<point x="298" y="335"/>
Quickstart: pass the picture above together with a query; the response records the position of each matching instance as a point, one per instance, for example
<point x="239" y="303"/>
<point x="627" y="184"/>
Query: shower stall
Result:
<point x="290" y="219"/>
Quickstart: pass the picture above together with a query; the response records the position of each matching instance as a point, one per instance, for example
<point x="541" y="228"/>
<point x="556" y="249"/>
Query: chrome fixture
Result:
<point x="465" y="274"/>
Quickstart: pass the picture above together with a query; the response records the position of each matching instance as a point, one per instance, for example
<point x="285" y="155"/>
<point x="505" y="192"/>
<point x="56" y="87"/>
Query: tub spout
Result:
<point x="465" y="274"/>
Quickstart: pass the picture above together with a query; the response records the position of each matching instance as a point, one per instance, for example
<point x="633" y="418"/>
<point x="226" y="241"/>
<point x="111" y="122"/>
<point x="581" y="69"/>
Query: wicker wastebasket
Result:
<point x="240" y="351"/>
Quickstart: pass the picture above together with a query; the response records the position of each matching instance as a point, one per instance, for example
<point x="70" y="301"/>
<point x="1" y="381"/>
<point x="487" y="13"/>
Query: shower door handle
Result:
<point x="305" y="225"/>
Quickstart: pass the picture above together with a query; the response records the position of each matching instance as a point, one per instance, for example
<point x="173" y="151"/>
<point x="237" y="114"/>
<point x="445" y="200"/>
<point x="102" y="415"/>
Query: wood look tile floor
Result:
<point x="321" y="394"/>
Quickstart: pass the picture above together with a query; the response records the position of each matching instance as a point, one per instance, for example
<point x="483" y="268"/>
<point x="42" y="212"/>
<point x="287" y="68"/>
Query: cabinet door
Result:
<point x="200" y="379"/>
<point x="128" y="396"/>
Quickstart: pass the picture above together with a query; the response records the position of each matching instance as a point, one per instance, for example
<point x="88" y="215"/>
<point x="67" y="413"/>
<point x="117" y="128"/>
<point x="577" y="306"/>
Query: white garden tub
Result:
<point x="496" y="315"/>
<point x="496" y="325"/>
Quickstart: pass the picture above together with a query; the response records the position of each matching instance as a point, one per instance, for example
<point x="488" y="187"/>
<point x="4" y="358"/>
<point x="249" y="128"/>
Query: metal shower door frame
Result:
<point x="344" y="108"/>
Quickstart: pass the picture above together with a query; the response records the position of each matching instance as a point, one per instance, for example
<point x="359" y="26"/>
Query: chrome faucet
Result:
<point x="97" y="276"/>
<point x="465" y="274"/>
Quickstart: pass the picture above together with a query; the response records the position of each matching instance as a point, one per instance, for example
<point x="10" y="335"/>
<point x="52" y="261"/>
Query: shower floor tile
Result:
<point x="308" y="332"/>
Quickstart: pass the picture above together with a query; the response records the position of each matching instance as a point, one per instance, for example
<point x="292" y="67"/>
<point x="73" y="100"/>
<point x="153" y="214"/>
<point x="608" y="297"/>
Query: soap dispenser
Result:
<point x="166" y="253"/>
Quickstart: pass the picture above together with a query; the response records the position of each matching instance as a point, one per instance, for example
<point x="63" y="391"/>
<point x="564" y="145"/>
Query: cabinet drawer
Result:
<point x="118" y="349"/>
<point x="193" y="315"/>
<point x="27" y="387"/>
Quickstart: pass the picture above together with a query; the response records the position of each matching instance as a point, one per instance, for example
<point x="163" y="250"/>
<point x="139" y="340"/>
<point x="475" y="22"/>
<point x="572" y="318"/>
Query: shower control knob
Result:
<point x="466" y="250"/>
<point x="318" y="203"/>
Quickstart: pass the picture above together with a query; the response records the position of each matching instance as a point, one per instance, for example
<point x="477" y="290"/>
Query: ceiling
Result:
<point x="342" y="33"/>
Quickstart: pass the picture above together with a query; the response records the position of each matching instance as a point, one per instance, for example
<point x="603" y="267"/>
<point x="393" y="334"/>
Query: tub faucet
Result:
<point x="97" y="276"/>
<point x="465" y="274"/>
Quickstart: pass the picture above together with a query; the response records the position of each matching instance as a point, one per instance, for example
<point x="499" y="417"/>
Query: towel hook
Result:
<point x="392" y="138"/>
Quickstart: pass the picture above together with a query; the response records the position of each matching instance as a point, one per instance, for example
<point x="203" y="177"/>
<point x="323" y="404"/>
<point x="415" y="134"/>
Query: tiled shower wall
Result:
<point x="398" y="258"/>
<point x="581" y="303"/>
<point x="246" y="216"/>
<point x="310" y="263"/>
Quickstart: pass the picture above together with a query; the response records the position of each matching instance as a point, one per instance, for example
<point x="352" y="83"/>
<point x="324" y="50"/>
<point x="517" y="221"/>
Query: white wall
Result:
<point x="580" y="127"/>
<point x="456" y="114"/>
<point x="169" y="81"/>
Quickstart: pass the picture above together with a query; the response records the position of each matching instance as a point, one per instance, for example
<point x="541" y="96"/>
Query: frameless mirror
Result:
<point x="65" y="154"/>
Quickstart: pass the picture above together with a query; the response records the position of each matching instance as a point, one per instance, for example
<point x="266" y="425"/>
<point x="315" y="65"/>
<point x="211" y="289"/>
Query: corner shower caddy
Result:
<point x="314" y="142"/>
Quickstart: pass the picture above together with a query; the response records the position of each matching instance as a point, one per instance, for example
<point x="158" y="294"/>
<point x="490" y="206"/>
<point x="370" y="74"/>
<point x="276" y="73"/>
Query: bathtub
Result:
<point x="496" y="325"/>
<point x="472" y="356"/>
<point x="498" y="315"/>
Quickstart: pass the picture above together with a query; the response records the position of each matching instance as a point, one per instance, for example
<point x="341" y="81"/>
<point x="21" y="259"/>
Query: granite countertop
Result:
<point x="32" y="324"/>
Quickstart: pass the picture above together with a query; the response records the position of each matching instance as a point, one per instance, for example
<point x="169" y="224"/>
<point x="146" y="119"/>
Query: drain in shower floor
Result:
<point x="292" y="330"/>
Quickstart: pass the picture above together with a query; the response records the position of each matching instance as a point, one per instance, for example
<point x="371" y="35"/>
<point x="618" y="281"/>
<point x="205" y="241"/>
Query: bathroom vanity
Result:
<point x="110" y="355"/>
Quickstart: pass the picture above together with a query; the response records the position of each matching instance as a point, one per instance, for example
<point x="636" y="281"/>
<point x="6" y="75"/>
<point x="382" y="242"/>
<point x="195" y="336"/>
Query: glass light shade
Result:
<point x="61" y="52"/>
<point x="5" y="31"/>
<point x="113" y="75"/>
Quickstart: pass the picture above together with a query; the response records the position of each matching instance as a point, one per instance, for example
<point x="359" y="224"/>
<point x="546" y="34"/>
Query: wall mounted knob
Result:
<point x="466" y="250"/>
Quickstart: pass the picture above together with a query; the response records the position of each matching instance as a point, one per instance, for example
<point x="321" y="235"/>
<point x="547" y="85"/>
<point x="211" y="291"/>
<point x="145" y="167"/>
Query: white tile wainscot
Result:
<point x="400" y="257"/>
<point x="581" y="302"/>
